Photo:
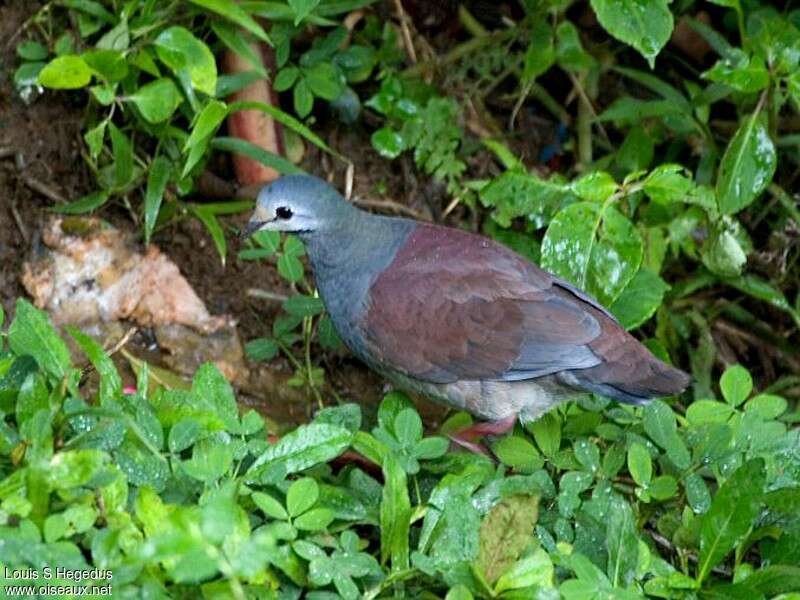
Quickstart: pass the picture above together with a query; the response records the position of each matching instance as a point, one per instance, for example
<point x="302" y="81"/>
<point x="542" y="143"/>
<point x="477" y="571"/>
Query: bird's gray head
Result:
<point x="298" y="204"/>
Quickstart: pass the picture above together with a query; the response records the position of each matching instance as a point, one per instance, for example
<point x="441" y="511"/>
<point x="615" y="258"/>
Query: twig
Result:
<point x="18" y="221"/>
<point x="123" y="341"/>
<point x="266" y="295"/>
<point x="42" y="188"/>
<point x="666" y="544"/>
<point x="407" y="42"/>
<point x="390" y="205"/>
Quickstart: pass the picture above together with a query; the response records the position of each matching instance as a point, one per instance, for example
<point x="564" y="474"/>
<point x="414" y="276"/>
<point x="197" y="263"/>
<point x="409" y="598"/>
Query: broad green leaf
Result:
<point x="303" y="306"/>
<point x="261" y="349"/>
<point x="179" y="49"/>
<point x="157" y="179"/>
<point x="644" y="24"/>
<point x="640" y="299"/>
<point x="505" y="532"/>
<point x="517" y="452"/>
<point x="621" y="542"/>
<point x="270" y="506"/>
<point x="183" y="434"/>
<point x="733" y="512"/>
<point x="533" y="570"/>
<point x="210" y="388"/>
<point x="157" y="100"/>
<point x="108" y="64"/>
<point x="595" y="247"/>
<point x="315" y="519"/>
<point x="640" y="464"/>
<point x="668" y="183"/>
<point x="31" y="50"/>
<point x="233" y="12"/>
<point x="290" y="268"/>
<point x="546" y="431"/>
<point x="303" y="99"/>
<point x="736" y="385"/>
<point x="660" y="425"/>
<point x="515" y="194"/>
<point x="595" y="187"/>
<point x="65" y="73"/>
<point x="663" y="487"/>
<point x="388" y="142"/>
<point x="32" y="334"/>
<point x="304" y="447"/>
<point x="395" y="514"/>
<point x="747" y="166"/>
<point x="210" y="460"/>
<point x="697" y="494"/>
<point x="768" y="406"/>
<point x="723" y="253"/>
<point x="302" y="495"/>
<point x="743" y="73"/>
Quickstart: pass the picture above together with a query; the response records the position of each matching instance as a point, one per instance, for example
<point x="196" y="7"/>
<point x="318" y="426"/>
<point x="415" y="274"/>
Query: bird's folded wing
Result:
<point x="453" y="306"/>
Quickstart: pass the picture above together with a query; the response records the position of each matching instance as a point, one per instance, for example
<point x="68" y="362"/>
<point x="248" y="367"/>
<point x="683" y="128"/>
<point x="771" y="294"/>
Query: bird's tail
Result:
<point x="631" y="382"/>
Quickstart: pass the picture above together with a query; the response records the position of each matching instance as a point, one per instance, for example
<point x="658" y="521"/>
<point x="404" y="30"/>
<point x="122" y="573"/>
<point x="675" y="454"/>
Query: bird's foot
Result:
<point x="467" y="437"/>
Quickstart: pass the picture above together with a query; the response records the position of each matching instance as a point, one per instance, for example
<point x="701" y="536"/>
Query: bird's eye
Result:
<point x="283" y="212"/>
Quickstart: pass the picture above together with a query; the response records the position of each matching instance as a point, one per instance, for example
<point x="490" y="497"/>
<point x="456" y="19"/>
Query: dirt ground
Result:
<point x="40" y="159"/>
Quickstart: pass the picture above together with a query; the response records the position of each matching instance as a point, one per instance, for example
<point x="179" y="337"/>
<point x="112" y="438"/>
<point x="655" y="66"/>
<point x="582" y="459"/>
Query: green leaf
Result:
<point x="210" y="388"/>
<point x="660" y="425"/>
<point x="257" y="153"/>
<point x="234" y="40"/>
<point x="157" y="100"/>
<point x="597" y="186"/>
<point x="179" y="49"/>
<point x="697" y="494"/>
<point x="122" y="150"/>
<point x="395" y="514"/>
<point x="595" y="247"/>
<point x="209" y="219"/>
<point x="644" y="24"/>
<point x="741" y="72"/>
<point x="302" y="8"/>
<point x="408" y="427"/>
<point x="640" y="299"/>
<point x="663" y="487"/>
<point x="210" y="460"/>
<point x="515" y="194"/>
<point x="733" y="512"/>
<point x="533" y="570"/>
<point x="505" y="532"/>
<point x="301" y="496"/>
<point x="722" y="253"/>
<point x="640" y="464"/>
<point x="540" y="54"/>
<point x="668" y="183"/>
<point x="94" y="138"/>
<point x="157" y="179"/>
<point x="261" y="349"/>
<point x="736" y="385"/>
<point x="767" y="406"/>
<point x="304" y="447"/>
<point x="31" y="50"/>
<point x="388" y="142"/>
<point x="83" y="205"/>
<point x="110" y="381"/>
<point x="323" y="81"/>
<point x="233" y="12"/>
<point x="32" y="334"/>
<point x="290" y="268"/>
<point x="546" y="431"/>
<point x="747" y="166"/>
<point x="209" y="119"/>
<point x="517" y="452"/>
<point x="270" y="506"/>
<point x="108" y="64"/>
<point x="65" y="73"/>
<point x="286" y="120"/>
<point x="315" y="519"/>
<point x="183" y="434"/>
<point x="303" y="99"/>
<point x="621" y="542"/>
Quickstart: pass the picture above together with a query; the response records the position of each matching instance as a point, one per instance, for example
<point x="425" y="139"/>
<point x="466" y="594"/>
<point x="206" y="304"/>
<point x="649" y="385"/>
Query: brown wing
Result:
<point x="456" y="306"/>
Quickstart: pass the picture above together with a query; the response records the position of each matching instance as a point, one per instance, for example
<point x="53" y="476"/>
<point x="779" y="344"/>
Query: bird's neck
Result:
<point x="346" y="258"/>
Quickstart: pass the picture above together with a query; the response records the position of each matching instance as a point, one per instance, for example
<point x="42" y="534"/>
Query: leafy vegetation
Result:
<point x="667" y="195"/>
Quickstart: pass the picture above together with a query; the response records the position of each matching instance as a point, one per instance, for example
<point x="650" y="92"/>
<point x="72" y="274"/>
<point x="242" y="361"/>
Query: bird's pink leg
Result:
<point x="468" y="436"/>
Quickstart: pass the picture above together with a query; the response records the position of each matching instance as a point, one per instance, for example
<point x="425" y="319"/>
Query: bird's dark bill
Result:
<point x="251" y="228"/>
